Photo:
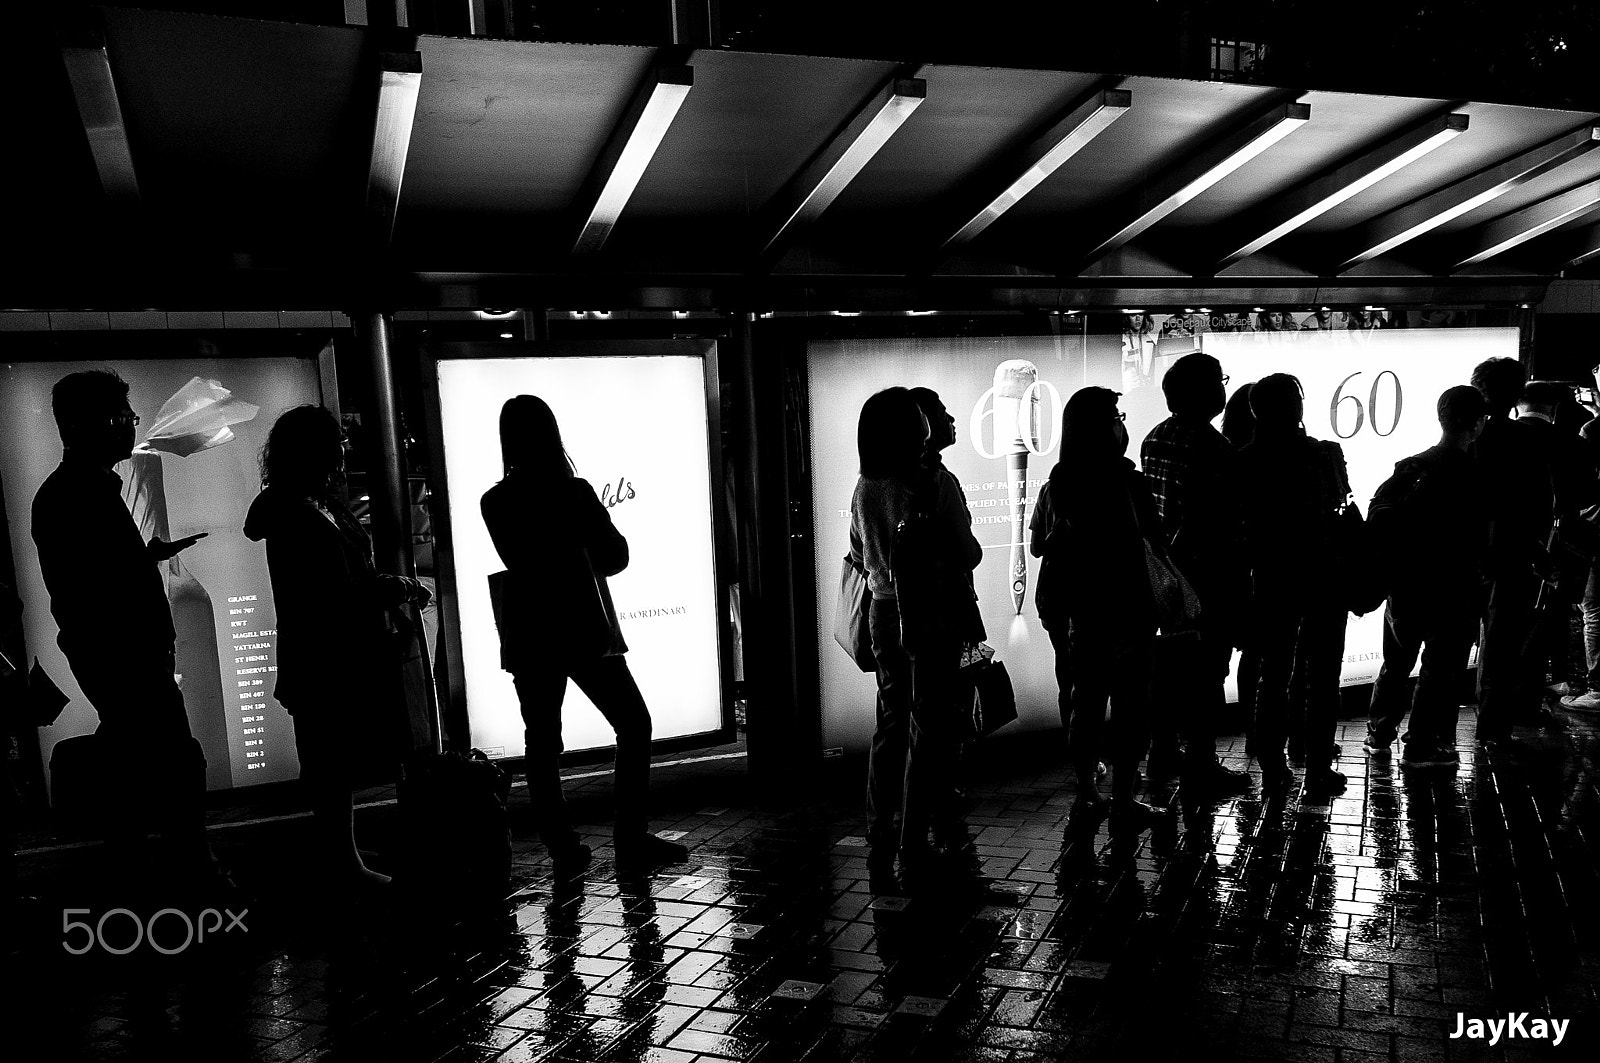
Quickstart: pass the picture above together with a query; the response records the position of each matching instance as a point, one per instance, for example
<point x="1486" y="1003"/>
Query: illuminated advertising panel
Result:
<point x="636" y="427"/>
<point x="1372" y="391"/>
<point x="194" y="469"/>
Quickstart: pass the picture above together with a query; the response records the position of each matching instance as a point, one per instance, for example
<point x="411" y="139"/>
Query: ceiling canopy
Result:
<point x="172" y="158"/>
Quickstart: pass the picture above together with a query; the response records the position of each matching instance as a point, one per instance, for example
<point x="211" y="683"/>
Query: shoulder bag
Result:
<point x="850" y="614"/>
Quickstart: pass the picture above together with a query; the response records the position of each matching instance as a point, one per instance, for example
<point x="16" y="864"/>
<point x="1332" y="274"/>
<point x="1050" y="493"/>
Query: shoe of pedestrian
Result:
<point x="1163" y="767"/>
<point x="920" y="869"/>
<point x="1214" y="779"/>
<point x="1325" y="782"/>
<point x="646" y="852"/>
<point x="1275" y="775"/>
<point x="1559" y="690"/>
<point x="1377" y="745"/>
<point x="1131" y="818"/>
<point x="1426" y="756"/>
<point x="1547" y="719"/>
<point x="570" y="864"/>
<point x="880" y="870"/>
<point x="1589" y="702"/>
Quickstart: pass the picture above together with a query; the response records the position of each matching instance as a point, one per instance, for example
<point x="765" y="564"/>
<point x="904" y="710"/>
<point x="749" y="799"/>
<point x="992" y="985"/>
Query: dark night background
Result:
<point x="1539" y="52"/>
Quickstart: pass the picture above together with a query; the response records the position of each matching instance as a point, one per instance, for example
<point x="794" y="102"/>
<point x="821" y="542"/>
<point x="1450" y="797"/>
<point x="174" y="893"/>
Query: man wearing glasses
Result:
<point x="110" y="604"/>
<point x="1189" y="467"/>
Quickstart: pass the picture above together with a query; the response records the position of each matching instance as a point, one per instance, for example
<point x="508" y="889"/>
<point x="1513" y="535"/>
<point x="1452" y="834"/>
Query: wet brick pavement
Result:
<point x="1276" y="929"/>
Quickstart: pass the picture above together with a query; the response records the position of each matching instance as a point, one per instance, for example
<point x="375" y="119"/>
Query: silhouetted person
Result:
<point x="1519" y="493"/>
<point x="1589" y="700"/>
<point x="1291" y="489"/>
<point x="1189" y="468"/>
<point x="1094" y="599"/>
<point x="1547" y="410"/>
<point x="1239" y="428"/>
<point x="110" y="604"/>
<point x="915" y="742"/>
<point x="1431" y="527"/>
<point x="948" y="829"/>
<point x="338" y="665"/>
<point x="557" y="623"/>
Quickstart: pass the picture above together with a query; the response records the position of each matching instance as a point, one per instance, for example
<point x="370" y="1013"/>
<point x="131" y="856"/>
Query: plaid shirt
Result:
<point x="1189" y="467"/>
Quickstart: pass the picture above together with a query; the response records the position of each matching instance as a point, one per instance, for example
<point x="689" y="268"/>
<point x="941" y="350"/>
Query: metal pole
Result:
<point x="391" y="499"/>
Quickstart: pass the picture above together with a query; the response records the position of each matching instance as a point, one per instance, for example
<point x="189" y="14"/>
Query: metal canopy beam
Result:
<point x="1192" y="177"/>
<point x="399" y="82"/>
<point x="1404" y="224"/>
<point x="1288" y="212"/>
<point x="628" y="153"/>
<point x="810" y="192"/>
<point x="1579" y="247"/>
<point x="1042" y="158"/>
<point x="1503" y="234"/>
<point x="89" y="69"/>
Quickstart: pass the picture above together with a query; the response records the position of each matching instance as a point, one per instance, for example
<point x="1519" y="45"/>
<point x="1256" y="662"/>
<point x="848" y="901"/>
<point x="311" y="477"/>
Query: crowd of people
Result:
<point x="1479" y="540"/>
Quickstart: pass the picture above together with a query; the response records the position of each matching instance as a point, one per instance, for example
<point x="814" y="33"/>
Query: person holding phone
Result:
<point x="116" y="631"/>
<point x="339" y="642"/>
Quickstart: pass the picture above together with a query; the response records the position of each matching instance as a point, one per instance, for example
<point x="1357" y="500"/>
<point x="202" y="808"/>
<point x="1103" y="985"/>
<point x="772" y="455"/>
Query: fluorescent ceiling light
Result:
<point x="1046" y="155"/>
<point x="1189" y="181"/>
<point x="1503" y="234"/>
<point x="1404" y="224"/>
<point x="400" y="81"/>
<point x="1348" y="181"/>
<point x="630" y="152"/>
<point x="815" y="188"/>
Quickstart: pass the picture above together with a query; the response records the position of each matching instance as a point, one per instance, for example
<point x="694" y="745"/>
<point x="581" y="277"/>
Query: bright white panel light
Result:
<point x="636" y="427"/>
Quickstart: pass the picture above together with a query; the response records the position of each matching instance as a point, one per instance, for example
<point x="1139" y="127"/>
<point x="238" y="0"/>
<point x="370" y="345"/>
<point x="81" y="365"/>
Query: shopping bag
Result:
<point x="850" y="613"/>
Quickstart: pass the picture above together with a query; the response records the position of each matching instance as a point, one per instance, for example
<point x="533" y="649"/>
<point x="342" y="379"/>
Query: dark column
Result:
<point x="390" y="504"/>
<point x="781" y="721"/>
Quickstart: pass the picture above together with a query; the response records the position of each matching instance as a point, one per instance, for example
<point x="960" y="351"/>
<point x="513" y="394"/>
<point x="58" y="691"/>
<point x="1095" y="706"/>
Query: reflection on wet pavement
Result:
<point x="1266" y="926"/>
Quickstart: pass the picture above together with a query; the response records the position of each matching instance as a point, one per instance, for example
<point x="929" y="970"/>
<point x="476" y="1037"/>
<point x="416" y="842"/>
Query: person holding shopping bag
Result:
<point x="557" y="623"/>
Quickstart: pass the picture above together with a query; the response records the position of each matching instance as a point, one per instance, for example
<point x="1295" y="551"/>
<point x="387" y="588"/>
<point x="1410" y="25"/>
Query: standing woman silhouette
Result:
<point x="557" y="623"/>
<point x="915" y="745"/>
<point x="338" y="671"/>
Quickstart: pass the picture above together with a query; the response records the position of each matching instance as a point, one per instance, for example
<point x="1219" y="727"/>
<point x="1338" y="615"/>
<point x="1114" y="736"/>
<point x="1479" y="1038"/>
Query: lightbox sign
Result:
<point x="1372" y="391"/>
<point x="194" y="469"/>
<point x="636" y="427"/>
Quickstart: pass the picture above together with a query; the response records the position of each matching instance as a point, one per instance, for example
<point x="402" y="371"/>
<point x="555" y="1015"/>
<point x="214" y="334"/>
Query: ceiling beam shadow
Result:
<point x="1005" y="184"/>
<point x="1194" y="175"/>
<point x="627" y="154"/>
<point x="1285" y="213"/>
<point x="1406" y="223"/>
<point x="811" y="191"/>
<point x="399" y="83"/>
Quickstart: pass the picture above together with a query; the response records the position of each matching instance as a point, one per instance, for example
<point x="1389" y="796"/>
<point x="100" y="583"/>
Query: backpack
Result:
<point x="1392" y="523"/>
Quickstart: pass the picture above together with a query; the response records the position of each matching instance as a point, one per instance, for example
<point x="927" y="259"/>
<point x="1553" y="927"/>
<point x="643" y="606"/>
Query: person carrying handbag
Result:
<point x="914" y="538"/>
<point x="557" y="623"/>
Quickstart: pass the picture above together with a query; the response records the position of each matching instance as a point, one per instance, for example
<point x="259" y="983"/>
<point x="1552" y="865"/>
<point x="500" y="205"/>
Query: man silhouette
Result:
<point x="1189" y="466"/>
<point x="110" y="604"/>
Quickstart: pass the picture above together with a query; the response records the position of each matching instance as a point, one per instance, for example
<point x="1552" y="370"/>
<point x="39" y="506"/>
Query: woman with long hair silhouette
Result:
<point x="915" y="745"/>
<point x="557" y="623"/>
<point x="1095" y="601"/>
<point x="339" y="672"/>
